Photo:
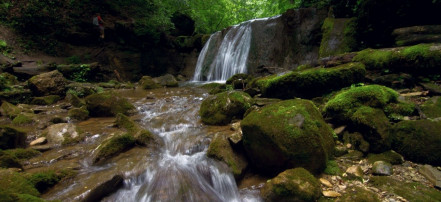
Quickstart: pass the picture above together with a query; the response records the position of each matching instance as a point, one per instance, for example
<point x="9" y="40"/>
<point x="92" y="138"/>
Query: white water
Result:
<point x="180" y="171"/>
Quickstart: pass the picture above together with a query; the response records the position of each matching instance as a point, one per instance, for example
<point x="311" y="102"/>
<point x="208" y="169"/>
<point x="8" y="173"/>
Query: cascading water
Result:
<point x="180" y="171"/>
<point x="230" y="58"/>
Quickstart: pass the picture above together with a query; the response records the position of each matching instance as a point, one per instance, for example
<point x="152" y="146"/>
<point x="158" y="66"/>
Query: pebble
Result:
<point x="326" y="182"/>
<point x="38" y="141"/>
<point x="331" y="194"/>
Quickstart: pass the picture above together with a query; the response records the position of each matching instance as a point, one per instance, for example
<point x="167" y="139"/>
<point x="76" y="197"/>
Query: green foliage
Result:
<point x="332" y="168"/>
<point x="80" y="73"/>
<point x="12" y="183"/>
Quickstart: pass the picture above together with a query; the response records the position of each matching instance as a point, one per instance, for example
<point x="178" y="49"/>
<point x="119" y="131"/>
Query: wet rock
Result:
<point x="390" y="156"/>
<point x="417" y="34"/>
<point x="142" y="136"/>
<point x="331" y="194"/>
<point x="167" y="80"/>
<point x="239" y="81"/>
<point x="339" y="130"/>
<point x="432" y="174"/>
<point x="82" y="89"/>
<point x="46" y="100"/>
<point x="292" y="185"/>
<point x="287" y="134"/>
<point x="418" y="141"/>
<point x="432" y="107"/>
<point x="43" y="148"/>
<point x="80" y="114"/>
<point x="237" y="137"/>
<point x="221" y="149"/>
<point x="74" y="100"/>
<point x="11" y="137"/>
<point x="105" y="189"/>
<point x="23" y="118"/>
<point x="222" y="108"/>
<point x="107" y="104"/>
<point x="50" y="83"/>
<point x="61" y="133"/>
<point x="382" y="168"/>
<point x="114" y="146"/>
<point x="9" y="110"/>
<point x="354" y="172"/>
<point x="38" y="141"/>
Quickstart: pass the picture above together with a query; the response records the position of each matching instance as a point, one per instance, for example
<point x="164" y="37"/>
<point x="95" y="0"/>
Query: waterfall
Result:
<point x="230" y="58"/>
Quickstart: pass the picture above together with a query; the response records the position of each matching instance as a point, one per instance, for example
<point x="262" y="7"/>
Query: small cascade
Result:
<point x="229" y="59"/>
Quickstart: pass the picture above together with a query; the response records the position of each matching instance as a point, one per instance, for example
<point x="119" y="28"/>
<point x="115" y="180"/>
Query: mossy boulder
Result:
<point x="390" y="156"/>
<point x="418" y="141"/>
<point x="167" y="80"/>
<point x="354" y="193"/>
<point x="374" y="126"/>
<point x="107" y="104"/>
<point x="397" y="111"/>
<point x="62" y="133"/>
<point x="80" y="114"/>
<point x="338" y="36"/>
<point x="311" y="82"/>
<point x="50" y="83"/>
<point x="22" y="154"/>
<point x="83" y="89"/>
<point x="147" y="82"/>
<point x="239" y="81"/>
<point x="9" y="110"/>
<point x="8" y="160"/>
<point x="74" y="100"/>
<point x="292" y="185"/>
<point x="432" y="107"/>
<point x="42" y="181"/>
<point x="221" y="149"/>
<point x="343" y="105"/>
<point x="11" y="137"/>
<point x="287" y="134"/>
<point x="142" y="136"/>
<point x="114" y="146"/>
<point x="222" y="108"/>
<point x="46" y="100"/>
<point x="23" y="118"/>
<point x="13" y="184"/>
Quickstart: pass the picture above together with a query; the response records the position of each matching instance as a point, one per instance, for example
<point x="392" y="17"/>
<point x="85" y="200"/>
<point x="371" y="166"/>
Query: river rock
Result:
<point x="167" y="80"/>
<point x="38" y="141"/>
<point x="221" y="149"/>
<point x="9" y="110"/>
<point x="147" y="82"/>
<point x="50" y="83"/>
<point x="331" y="194"/>
<point x="83" y="89"/>
<point x="432" y="174"/>
<point x="107" y="104"/>
<point x="113" y="146"/>
<point x="325" y="182"/>
<point x="239" y="81"/>
<point x="45" y="100"/>
<point x="292" y="185"/>
<point x="105" y="189"/>
<point x="382" y="168"/>
<point x="354" y="172"/>
<point x="61" y="132"/>
<point x="222" y="108"/>
<point x="11" y="137"/>
<point x="418" y="141"/>
<point x="80" y="114"/>
<point x="287" y="134"/>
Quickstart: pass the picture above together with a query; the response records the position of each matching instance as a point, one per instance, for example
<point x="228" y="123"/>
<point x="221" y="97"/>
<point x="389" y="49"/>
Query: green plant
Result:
<point x="80" y="73"/>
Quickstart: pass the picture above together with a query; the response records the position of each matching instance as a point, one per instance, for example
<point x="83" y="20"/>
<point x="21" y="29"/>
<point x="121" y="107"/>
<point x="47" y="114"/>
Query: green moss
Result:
<point x="44" y="180"/>
<point x="12" y="183"/>
<point x="418" y="141"/>
<point x="359" y="194"/>
<point x="290" y="133"/>
<point x="46" y="100"/>
<point x="413" y="191"/>
<point x="147" y="82"/>
<point x="221" y="108"/>
<point x="432" y="107"/>
<point x="23" y="118"/>
<point x="396" y="111"/>
<point x="344" y="104"/>
<point x="79" y="113"/>
<point x="142" y="136"/>
<point x="332" y="168"/>
<point x="377" y="59"/>
<point x="9" y="110"/>
<point x="338" y="36"/>
<point x="107" y="103"/>
<point x="7" y="80"/>
<point x="23" y="154"/>
<point x="8" y="160"/>
<point x="114" y="146"/>
<point x="327" y="27"/>
<point x="389" y="156"/>
<point x="292" y="185"/>
<point x="125" y="122"/>
<point x="27" y="198"/>
<point x="311" y="82"/>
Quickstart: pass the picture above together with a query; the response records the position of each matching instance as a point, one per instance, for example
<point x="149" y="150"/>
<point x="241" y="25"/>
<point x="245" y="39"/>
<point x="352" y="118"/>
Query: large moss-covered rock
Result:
<point x="432" y="107"/>
<point x="44" y="180"/>
<point x="292" y="185"/>
<point x="311" y="82"/>
<point x="221" y="149"/>
<point x="418" y="141"/>
<point x="374" y="125"/>
<point x="46" y="100"/>
<point x="221" y="108"/>
<point x="13" y="184"/>
<point x="80" y="114"/>
<point x="11" y="138"/>
<point x="114" y="146"/>
<point x="83" y="89"/>
<point x="23" y="118"/>
<point x="147" y="82"/>
<point x="142" y="136"/>
<point x="7" y="160"/>
<point x="167" y="80"/>
<point x="74" y="100"/>
<point x="9" y="110"/>
<point x="239" y="81"/>
<point x="107" y="104"/>
<point x="285" y="135"/>
<point x="343" y="105"/>
<point x="338" y="36"/>
<point x="50" y="83"/>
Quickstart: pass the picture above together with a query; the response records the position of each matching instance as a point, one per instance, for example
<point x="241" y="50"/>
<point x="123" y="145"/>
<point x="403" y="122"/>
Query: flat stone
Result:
<point x="354" y="172"/>
<point x="382" y="168"/>
<point x="38" y="141"/>
<point x="432" y="174"/>
<point x="43" y="148"/>
<point x="339" y="130"/>
<point x="331" y="194"/>
<point x="325" y="182"/>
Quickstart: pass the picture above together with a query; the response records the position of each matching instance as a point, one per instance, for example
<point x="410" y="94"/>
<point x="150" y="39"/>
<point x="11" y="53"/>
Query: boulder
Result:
<point x="432" y="107"/>
<point x="79" y="114"/>
<point x="83" y="89"/>
<point x="287" y="134"/>
<point x="221" y="150"/>
<point x="239" y="81"/>
<point x="418" y="141"/>
<point x="11" y="137"/>
<point x="107" y="104"/>
<point x="114" y="146"/>
<point x="74" y="100"/>
<point x="9" y="110"/>
<point x="46" y="100"/>
<point x="50" y="83"/>
<point x="142" y="136"/>
<point x="23" y="118"/>
<point x="292" y="185"/>
<point x="310" y="83"/>
<point x="391" y="157"/>
<point x="167" y="80"/>
<point x="222" y="108"/>
<point x="147" y="82"/>
<point x="61" y="133"/>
